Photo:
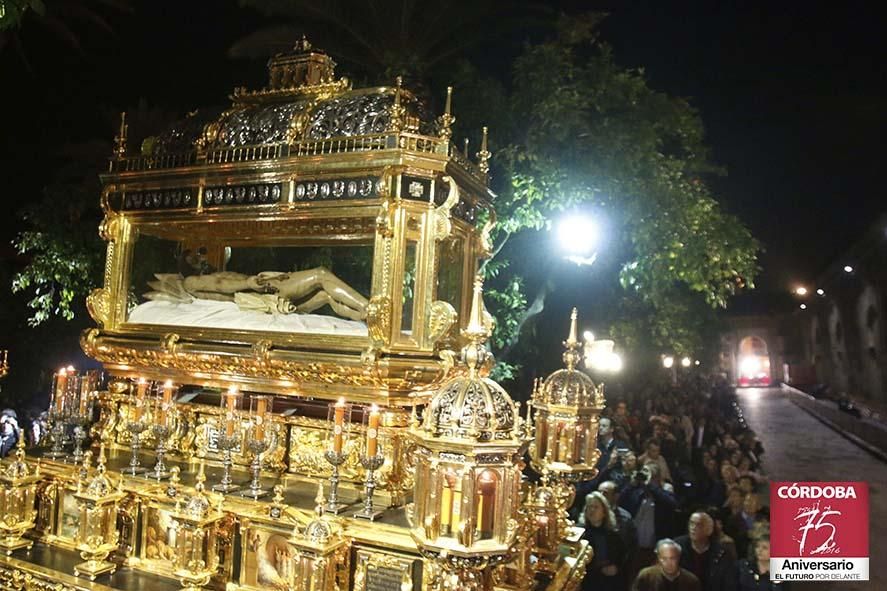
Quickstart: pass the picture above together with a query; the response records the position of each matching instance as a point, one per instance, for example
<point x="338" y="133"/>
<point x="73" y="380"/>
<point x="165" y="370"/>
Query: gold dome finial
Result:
<point x="476" y="331"/>
<point x="474" y="353"/>
<point x="572" y="357"/>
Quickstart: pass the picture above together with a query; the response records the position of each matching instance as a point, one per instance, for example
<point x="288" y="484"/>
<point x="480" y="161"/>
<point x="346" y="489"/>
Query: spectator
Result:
<point x="652" y="509"/>
<point x="653" y="456"/>
<point x="754" y="572"/>
<point x="624" y="524"/>
<point x="605" y="572"/>
<point x="702" y="555"/>
<point x="667" y="575"/>
<point x="9" y="431"/>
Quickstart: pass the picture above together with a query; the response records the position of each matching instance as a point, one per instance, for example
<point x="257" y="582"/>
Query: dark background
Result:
<point x="792" y="95"/>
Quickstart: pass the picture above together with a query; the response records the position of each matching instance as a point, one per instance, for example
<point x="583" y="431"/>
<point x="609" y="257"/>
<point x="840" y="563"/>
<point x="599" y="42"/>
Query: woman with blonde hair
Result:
<point x="606" y="571"/>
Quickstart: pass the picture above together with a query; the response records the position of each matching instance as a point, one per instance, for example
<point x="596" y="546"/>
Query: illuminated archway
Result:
<point x="753" y="367"/>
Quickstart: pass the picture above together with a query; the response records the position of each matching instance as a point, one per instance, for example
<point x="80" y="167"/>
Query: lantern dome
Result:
<point x="471" y="406"/>
<point x="570" y="386"/>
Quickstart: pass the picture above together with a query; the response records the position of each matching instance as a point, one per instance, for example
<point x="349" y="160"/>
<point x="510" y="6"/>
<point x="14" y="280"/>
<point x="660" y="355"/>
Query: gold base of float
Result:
<point x="370" y="555"/>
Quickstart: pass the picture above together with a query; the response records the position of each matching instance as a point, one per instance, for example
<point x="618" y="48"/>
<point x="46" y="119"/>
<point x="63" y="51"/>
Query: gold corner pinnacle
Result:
<point x="120" y="138"/>
<point x="484" y="155"/>
<point x="446" y="120"/>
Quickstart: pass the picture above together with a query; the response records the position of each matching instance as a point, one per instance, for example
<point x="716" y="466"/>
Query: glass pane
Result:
<point x="449" y="274"/>
<point x="274" y="287"/>
<point x="409" y="288"/>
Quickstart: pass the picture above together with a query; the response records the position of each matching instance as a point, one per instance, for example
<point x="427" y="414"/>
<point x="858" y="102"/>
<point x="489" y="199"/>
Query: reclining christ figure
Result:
<point x="269" y="291"/>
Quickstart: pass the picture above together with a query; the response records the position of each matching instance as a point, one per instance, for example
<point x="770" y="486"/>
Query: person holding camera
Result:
<point x="652" y="508"/>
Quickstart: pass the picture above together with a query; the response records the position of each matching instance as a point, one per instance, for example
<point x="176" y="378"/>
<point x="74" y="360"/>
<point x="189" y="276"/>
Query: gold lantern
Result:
<point x="546" y="511"/>
<point x="467" y="483"/>
<point x="319" y="552"/>
<point x="97" y="535"/>
<point x="196" y="524"/>
<point x="567" y="406"/>
<point x="18" y="489"/>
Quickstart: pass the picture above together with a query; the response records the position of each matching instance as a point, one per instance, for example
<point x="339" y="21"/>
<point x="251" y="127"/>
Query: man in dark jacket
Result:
<point x="706" y="558"/>
<point x="667" y="574"/>
<point x="652" y="510"/>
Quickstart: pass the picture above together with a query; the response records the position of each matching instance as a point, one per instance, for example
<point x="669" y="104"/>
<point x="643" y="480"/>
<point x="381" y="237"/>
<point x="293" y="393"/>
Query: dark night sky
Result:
<point x="793" y="97"/>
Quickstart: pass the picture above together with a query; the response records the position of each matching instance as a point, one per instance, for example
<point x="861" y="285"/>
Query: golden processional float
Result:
<point x="299" y="395"/>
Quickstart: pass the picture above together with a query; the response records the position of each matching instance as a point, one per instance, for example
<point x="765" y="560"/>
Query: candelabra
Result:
<point x="161" y="433"/>
<point x="370" y="464"/>
<point x="259" y="439"/>
<point x="57" y="433"/>
<point x="336" y="459"/>
<point x="227" y="443"/>
<point x="79" y="436"/>
<point x="163" y="416"/>
<point x="135" y="428"/>
<point x="229" y="438"/>
<point x="257" y="447"/>
<point x="339" y="414"/>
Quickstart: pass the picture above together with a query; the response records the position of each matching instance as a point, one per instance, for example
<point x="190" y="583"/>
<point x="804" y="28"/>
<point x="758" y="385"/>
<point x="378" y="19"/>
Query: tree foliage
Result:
<point x="584" y="133"/>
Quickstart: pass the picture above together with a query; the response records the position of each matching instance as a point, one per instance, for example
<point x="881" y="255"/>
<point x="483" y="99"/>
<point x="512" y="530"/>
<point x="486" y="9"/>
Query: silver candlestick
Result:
<point x="58" y="435"/>
<point x="79" y="436"/>
<point x="257" y="447"/>
<point x="135" y="429"/>
<point x="159" y="472"/>
<point x="370" y="464"/>
<point x="227" y="443"/>
<point x="336" y="458"/>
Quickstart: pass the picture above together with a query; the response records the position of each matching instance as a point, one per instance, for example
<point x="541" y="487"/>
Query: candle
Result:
<point x="563" y="443"/>
<point x="338" y="425"/>
<point x="141" y="389"/>
<point x="261" y="411"/>
<point x="85" y="391"/>
<point x="486" y="498"/>
<point x="446" y="501"/>
<point x="542" y="532"/>
<point x="230" y="405"/>
<point x="61" y="383"/>
<point x="373" y="431"/>
<point x="167" y="391"/>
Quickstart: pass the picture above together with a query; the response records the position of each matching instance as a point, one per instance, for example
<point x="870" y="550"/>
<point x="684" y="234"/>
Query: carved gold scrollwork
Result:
<point x="169" y="344"/>
<point x="262" y="351"/>
<point x="485" y="243"/>
<point x="442" y="224"/>
<point x="385" y="219"/>
<point x="379" y="320"/>
<point x="98" y="302"/>
<point x="109" y="227"/>
<point x="441" y="317"/>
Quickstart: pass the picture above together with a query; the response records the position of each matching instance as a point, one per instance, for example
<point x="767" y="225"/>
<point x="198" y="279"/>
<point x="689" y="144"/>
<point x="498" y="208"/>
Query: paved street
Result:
<point x="798" y="447"/>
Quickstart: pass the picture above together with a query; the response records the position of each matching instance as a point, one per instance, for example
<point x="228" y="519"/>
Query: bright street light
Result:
<point x="848" y="269"/>
<point x="820" y="292"/>
<point x="578" y="237"/>
<point x="685" y="362"/>
<point x="668" y="362"/>
<point x="803" y="306"/>
<point x="599" y="356"/>
<point x="697" y="362"/>
<point x="801" y="291"/>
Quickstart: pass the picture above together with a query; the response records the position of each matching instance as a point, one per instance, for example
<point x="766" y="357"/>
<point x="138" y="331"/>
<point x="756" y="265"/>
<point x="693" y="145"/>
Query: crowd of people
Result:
<point x="676" y="504"/>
